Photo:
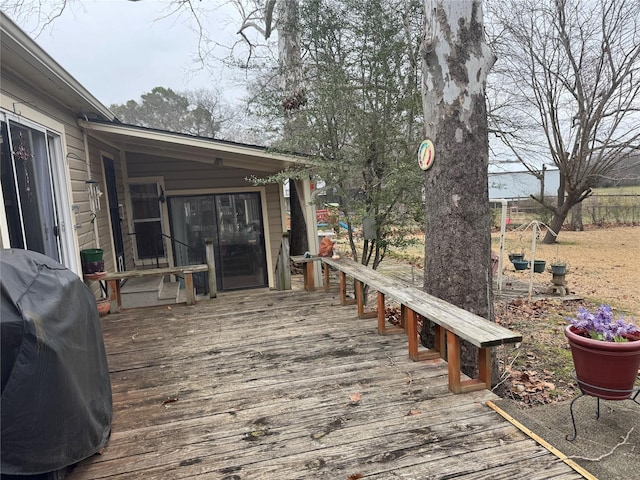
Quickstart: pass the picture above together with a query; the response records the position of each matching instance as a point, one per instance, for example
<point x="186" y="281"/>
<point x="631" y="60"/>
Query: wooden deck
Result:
<point x="292" y="385"/>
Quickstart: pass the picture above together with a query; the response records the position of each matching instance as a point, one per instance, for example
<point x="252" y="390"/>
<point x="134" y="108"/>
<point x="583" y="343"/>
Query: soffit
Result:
<point x="133" y="139"/>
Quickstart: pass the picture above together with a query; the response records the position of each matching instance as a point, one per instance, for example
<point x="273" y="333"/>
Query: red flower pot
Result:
<point x="606" y="370"/>
<point x="103" y="305"/>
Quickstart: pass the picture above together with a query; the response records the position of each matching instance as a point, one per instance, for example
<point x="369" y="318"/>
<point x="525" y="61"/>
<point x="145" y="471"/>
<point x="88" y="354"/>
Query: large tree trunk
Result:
<point x="576" y="218"/>
<point x="290" y="63"/>
<point x="557" y="222"/>
<point x="456" y="61"/>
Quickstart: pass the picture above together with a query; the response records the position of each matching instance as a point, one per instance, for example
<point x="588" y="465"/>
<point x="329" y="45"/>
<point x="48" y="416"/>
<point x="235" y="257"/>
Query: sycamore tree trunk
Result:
<point x="290" y="66"/>
<point x="456" y="61"/>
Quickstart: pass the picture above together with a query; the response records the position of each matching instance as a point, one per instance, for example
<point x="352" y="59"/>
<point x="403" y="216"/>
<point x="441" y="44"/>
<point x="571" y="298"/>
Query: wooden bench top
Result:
<point x="303" y="259"/>
<point x="466" y="325"/>
<point x="155" y="271"/>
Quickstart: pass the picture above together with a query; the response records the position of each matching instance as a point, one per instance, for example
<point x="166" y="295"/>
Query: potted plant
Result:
<point x="558" y="267"/>
<point x="92" y="262"/>
<point x="520" y="264"/>
<point x="516" y="256"/>
<point x="103" y="305"/>
<point x="538" y="266"/>
<point x="605" y="351"/>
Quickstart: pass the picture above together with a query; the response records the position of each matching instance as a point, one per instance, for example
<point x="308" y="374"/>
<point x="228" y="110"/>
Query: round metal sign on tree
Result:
<point x="426" y="152"/>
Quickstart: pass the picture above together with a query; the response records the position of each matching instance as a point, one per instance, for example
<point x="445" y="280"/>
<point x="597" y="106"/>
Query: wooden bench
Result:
<point x="113" y="281"/>
<point x="453" y="324"/>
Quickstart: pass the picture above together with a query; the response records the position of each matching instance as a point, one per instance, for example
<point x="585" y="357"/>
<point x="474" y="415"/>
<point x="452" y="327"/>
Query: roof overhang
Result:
<point x="25" y="60"/>
<point x="134" y="139"/>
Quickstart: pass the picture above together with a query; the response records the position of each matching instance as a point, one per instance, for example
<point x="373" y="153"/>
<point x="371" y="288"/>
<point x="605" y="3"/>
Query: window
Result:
<point x="147" y="220"/>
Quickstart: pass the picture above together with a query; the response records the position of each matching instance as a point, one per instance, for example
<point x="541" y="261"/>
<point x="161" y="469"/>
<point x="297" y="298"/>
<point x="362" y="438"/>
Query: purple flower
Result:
<point x="602" y="325"/>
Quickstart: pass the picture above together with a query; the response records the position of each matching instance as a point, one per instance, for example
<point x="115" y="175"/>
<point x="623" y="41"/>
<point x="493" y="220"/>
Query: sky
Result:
<point x="119" y="49"/>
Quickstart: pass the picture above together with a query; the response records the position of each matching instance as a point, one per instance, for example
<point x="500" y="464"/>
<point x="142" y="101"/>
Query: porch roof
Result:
<point x="149" y="141"/>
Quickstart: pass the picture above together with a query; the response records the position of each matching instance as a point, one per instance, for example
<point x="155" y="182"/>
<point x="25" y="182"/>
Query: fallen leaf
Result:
<point x="355" y="397"/>
<point x="170" y="400"/>
<point x="413" y="412"/>
<point x="355" y="476"/>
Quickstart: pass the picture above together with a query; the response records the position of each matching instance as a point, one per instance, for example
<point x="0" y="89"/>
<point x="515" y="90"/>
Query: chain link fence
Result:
<point x="598" y="209"/>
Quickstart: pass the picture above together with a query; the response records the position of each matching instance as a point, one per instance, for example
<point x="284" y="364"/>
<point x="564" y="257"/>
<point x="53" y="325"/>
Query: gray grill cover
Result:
<point x="56" y="396"/>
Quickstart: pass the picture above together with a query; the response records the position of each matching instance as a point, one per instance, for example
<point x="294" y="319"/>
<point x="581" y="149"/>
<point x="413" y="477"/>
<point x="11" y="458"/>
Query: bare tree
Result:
<point x="456" y="62"/>
<point x="569" y="79"/>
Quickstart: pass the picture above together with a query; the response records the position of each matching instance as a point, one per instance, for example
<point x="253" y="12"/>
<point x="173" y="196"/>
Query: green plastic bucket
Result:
<point x="91" y="255"/>
<point x="91" y="259"/>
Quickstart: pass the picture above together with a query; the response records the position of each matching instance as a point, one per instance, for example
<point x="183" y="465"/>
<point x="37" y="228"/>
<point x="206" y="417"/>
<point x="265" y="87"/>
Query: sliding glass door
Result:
<point x="234" y="222"/>
<point x="28" y="189"/>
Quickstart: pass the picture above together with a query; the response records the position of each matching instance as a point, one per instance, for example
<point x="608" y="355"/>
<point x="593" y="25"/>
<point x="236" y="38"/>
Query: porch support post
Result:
<point x="211" y="263"/>
<point x="303" y="187"/>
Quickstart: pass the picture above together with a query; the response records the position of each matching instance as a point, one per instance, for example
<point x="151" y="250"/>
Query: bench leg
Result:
<point x="115" y="299"/>
<point x="326" y="278"/>
<point x="456" y="385"/>
<point x="343" y="290"/>
<point x="360" y="301"/>
<point x="381" y="316"/>
<point x="441" y="341"/>
<point x="188" y="289"/>
<point x="453" y="362"/>
<point x="484" y="367"/>
<point x="414" y="339"/>
<point x="309" y="283"/>
<point x="403" y="317"/>
<point x="383" y="329"/>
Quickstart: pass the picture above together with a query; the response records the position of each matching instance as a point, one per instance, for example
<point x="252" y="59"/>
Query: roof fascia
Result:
<point x="185" y="140"/>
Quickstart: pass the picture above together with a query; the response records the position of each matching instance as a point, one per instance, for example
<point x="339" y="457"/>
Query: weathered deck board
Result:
<point x="264" y="384"/>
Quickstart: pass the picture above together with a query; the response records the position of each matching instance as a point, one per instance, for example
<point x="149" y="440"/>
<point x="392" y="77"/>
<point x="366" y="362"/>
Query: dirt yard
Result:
<point x="604" y="263"/>
<point x="604" y="267"/>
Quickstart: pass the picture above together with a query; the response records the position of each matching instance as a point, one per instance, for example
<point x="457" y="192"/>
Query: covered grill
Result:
<point x="56" y="395"/>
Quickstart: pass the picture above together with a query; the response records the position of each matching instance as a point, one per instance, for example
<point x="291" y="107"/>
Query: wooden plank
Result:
<point x="188" y="288"/>
<point x="382" y="320"/>
<point x="453" y="362"/>
<point x="484" y="366"/>
<point x="155" y="272"/>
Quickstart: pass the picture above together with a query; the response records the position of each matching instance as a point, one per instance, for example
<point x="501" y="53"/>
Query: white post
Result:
<point x="503" y="227"/>
<point x="211" y="263"/>
<point x="533" y="256"/>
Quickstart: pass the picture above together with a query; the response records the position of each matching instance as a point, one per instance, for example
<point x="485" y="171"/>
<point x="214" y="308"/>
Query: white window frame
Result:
<point x="59" y="176"/>
<point x="164" y="220"/>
